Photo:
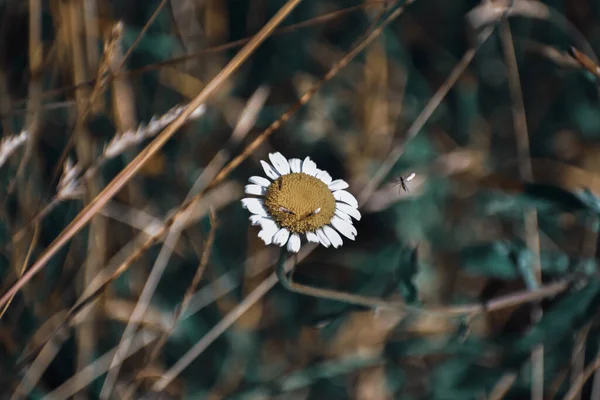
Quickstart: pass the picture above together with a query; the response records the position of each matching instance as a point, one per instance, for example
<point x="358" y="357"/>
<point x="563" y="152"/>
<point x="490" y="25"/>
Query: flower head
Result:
<point x="300" y="199"/>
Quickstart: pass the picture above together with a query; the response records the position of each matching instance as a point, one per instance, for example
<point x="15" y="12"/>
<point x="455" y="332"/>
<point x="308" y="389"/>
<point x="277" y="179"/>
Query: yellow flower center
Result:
<point x="300" y="202"/>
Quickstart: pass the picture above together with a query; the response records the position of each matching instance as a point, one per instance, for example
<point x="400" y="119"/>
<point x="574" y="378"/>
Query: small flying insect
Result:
<point x="402" y="181"/>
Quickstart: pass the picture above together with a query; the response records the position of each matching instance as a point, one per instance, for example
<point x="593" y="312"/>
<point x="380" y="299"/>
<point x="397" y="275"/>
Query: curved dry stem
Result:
<point x="577" y="386"/>
<point x="34" y="240"/>
<point x="284" y="274"/>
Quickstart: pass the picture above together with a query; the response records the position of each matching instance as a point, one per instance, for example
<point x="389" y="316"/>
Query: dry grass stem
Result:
<point x="72" y="182"/>
<point x="579" y="382"/>
<point x="179" y="312"/>
<point x="421" y="120"/>
<point x="34" y="242"/>
<point x="502" y="387"/>
<point x="532" y="236"/>
<point x="96" y="369"/>
<point x="224" y="324"/>
<point x="173" y="233"/>
<point x="328" y="17"/>
<point x="84" y="217"/>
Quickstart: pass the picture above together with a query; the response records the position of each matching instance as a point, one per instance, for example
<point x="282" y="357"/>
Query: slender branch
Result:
<point x="582" y="379"/>
<point x="533" y="276"/>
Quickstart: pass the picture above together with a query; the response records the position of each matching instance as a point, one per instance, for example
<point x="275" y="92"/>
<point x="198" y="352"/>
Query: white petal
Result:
<point x="268" y="223"/>
<point x="296" y="165"/>
<point x="333" y="236"/>
<point x="294" y="243"/>
<point x="309" y="167"/>
<point x="267" y="233"/>
<point x="312" y="237"/>
<point x="262" y="221"/>
<point x="324" y="176"/>
<point x="344" y="227"/>
<point x="353" y="212"/>
<point x="343" y="215"/>
<point x="281" y="237"/>
<point x="259" y="180"/>
<point x="271" y="173"/>
<point x="255" y="206"/>
<point x="346" y="197"/>
<point x="280" y="163"/>
<point x="338" y="184"/>
<point x="323" y="237"/>
<point x="255" y="189"/>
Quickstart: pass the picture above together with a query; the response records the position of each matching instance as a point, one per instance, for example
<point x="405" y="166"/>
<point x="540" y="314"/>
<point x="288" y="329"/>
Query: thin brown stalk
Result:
<point x="596" y="385"/>
<point x="216" y="198"/>
<point x="557" y="382"/>
<point x="138" y="219"/>
<point x="5" y="102"/>
<point x="142" y="33"/>
<point x="224" y="324"/>
<point x="118" y="145"/>
<point x="105" y="71"/>
<point x="27" y="175"/>
<point x="83" y="218"/>
<point x="578" y="356"/>
<point x="216" y="49"/>
<point x="584" y="61"/>
<point x="43" y="210"/>
<point x="532" y="236"/>
<point x="187" y="297"/>
<point x="94" y="370"/>
<point x="243" y="126"/>
<point x="502" y="387"/>
<point x="36" y="54"/>
<point x="472" y="310"/>
<point x="104" y="76"/>
<point x="85" y="334"/>
<point x="309" y="93"/>
<point x="589" y="249"/>
<point x="421" y="120"/>
<point x="39" y="366"/>
<point x="92" y="35"/>
<point x="578" y="384"/>
<point x="451" y="311"/>
<point x="34" y="241"/>
<point x="174" y="232"/>
<point x="86" y="103"/>
<point x="246" y="121"/>
<point x="123" y="97"/>
<point x="497" y="304"/>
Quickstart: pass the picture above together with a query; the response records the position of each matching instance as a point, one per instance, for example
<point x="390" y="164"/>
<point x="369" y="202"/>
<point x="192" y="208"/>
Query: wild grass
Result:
<point x="129" y="268"/>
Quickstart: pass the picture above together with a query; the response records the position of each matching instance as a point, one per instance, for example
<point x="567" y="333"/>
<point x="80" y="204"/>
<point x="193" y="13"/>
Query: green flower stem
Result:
<point x="280" y="270"/>
<point x="471" y="310"/>
<point x="287" y="282"/>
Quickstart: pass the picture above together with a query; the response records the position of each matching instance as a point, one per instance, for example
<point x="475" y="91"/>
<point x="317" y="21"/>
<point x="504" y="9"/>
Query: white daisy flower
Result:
<point x="299" y="200"/>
